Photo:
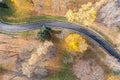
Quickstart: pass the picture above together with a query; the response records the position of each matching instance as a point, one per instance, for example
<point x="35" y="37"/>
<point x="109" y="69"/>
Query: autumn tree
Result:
<point x="22" y="7"/>
<point x="75" y="42"/>
<point x="86" y="15"/>
<point x="70" y="15"/>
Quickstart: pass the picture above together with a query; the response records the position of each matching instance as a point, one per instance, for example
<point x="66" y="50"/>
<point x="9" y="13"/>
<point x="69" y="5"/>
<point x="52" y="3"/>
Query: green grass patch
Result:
<point x="28" y="33"/>
<point x="2" y="69"/>
<point x="1" y="31"/>
<point x="32" y="19"/>
<point x="64" y="73"/>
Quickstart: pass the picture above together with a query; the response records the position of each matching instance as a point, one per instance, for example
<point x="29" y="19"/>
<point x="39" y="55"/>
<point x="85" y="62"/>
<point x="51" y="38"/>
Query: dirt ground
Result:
<point x="9" y="48"/>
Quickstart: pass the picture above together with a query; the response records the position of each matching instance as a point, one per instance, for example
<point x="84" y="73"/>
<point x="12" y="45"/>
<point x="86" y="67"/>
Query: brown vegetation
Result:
<point x="57" y="7"/>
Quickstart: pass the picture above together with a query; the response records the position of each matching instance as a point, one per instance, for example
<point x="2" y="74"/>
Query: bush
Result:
<point x="44" y="33"/>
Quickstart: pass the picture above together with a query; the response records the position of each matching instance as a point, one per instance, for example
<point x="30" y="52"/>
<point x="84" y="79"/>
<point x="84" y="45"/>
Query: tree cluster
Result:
<point x="86" y="15"/>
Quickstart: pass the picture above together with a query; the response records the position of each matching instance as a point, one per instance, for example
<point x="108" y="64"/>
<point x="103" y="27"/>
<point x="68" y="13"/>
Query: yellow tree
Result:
<point x="70" y="15"/>
<point x="75" y="42"/>
<point x="86" y="15"/>
<point x="22" y="7"/>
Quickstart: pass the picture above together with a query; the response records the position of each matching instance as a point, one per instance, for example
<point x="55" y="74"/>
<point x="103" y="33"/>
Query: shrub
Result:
<point x="44" y="33"/>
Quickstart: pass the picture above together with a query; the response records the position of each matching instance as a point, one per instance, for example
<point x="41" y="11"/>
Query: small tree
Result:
<point x="44" y="33"/>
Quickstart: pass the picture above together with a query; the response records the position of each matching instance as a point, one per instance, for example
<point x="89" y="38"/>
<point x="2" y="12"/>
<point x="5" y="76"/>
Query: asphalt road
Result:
<point x="79" y="29"/>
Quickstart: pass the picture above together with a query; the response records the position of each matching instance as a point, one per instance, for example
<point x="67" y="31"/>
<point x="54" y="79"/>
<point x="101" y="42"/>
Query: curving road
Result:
<point x="79" y="29"/>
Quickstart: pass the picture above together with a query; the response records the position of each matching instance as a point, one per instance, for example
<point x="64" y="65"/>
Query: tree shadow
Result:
<point x="3" y="5"/>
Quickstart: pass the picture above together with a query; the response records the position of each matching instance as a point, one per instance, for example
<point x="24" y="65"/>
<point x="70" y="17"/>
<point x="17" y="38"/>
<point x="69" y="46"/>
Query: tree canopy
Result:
<point x="76" y="42"/>
<point x="22" y="7"/>
<point x="86" y="15"/>
<point x="44" y="33"/>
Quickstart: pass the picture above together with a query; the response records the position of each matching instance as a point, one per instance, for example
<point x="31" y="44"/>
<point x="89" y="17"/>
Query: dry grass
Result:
<point x="11" y="44"/>
<point x="86" y="1"/>
<point x="54" y="64"/>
